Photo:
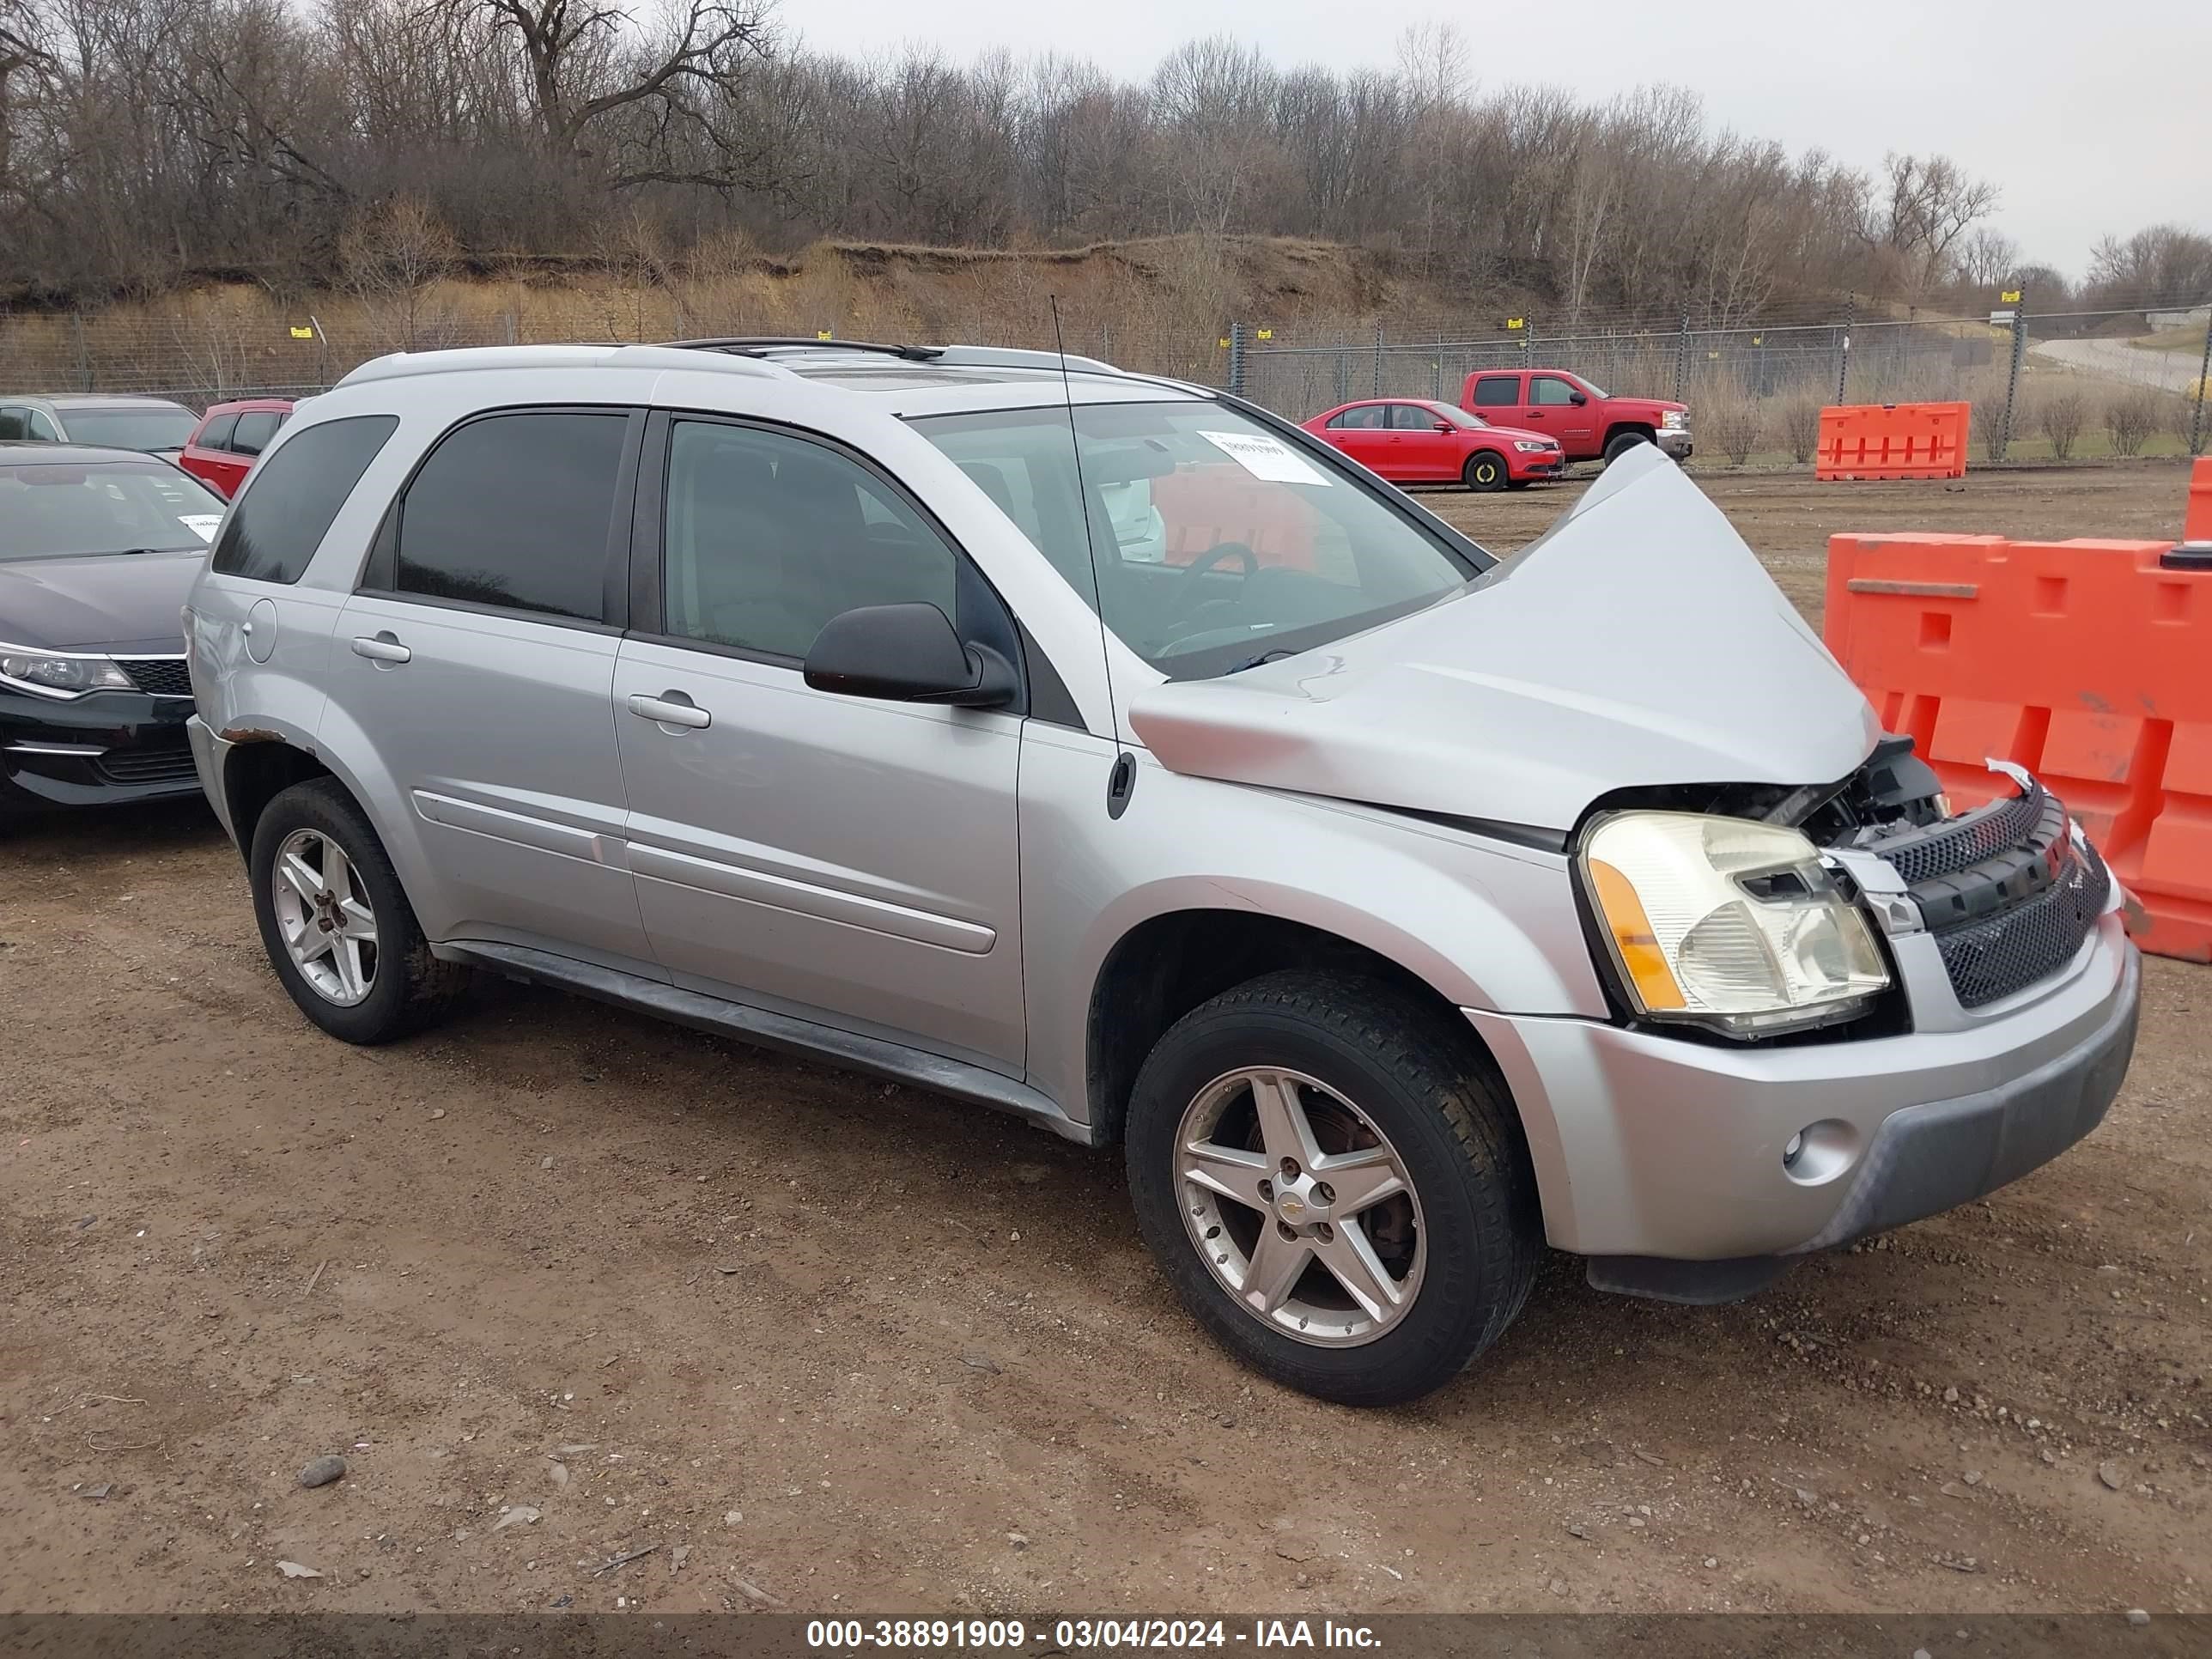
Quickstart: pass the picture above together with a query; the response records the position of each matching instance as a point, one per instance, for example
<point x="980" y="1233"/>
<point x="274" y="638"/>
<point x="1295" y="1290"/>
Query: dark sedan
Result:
<point x="97" y="549"/>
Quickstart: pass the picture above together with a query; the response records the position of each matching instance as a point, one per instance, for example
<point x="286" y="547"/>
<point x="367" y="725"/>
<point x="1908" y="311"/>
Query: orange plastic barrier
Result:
<point x="1893" y="440"/>
<point x="1202" y="506"/>
<point x="2088" y="662"/>
<point x="2197" y="522"/>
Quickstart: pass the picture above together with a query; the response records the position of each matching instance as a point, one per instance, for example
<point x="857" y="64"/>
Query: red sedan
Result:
<point x="224" y="445"/>
<point x="1418" y="440"/>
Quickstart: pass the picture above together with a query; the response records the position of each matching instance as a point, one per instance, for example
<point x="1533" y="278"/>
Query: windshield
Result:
<point x="67" y="512"/>
<point x="131" y="428"/>
<point x="1458" y="417"/>
<point x="1218" y="539"/>
<point x="1594" y="388"/>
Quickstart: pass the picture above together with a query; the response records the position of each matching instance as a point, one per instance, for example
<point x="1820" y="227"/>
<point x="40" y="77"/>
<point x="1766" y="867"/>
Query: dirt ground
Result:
<point x="835" y="1346"/>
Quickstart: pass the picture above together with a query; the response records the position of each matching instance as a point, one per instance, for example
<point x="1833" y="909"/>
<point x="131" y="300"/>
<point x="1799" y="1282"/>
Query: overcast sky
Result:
<point x="2092" y="118"/>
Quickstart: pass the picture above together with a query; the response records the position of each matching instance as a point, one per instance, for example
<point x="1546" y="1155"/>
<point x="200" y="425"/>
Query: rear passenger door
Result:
<point x="848" y="860"/>
<point x="476" y="662"/>
<point x="1360" y="433"/>
<point x="208" y="456"/>
<point x="1496" y="397"/>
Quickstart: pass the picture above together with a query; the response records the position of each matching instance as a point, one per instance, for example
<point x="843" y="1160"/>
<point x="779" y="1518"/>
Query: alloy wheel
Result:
<point x="1300" y="1206"/>
<point x="324" y="913"/>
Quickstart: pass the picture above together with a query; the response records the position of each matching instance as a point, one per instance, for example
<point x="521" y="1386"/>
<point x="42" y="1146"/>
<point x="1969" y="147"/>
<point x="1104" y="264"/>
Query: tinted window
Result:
<point x="1411" y="417"/>
<point x="70" y="509"/>
<point x="1551" y="390"/>
<point x="147" y="429"/>
<point x="1365" y="418"/>
<point x="217" y="436"/>
<point x="1497" y="391"/>
<point x="42" y="428"/>
<point x="767" y="536"/>
<point x="255" y="428"/>
<point x="278" y="524"/>
<point x="13" y="423"/>
<point x="514" y="511"/>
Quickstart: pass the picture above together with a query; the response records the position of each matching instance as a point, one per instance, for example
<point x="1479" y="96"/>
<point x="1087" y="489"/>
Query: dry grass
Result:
<point x="2190" y="338"/>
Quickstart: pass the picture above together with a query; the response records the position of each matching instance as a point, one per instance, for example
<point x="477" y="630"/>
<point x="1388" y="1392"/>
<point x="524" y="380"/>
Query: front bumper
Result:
<point x="1674" y="443"/>
<point x="104" y="749"/>
<point x="1655" y="1146"/>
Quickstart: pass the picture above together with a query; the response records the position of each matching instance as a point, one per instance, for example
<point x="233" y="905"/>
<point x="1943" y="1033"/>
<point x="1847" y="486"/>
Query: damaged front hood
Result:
<point x="1638" y="641"/>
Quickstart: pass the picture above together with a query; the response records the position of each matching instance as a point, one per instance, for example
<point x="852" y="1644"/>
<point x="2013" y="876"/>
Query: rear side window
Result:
<point x="216" y="433"/>
<point x="255" y="428"/>
<point x="1365" y="418"/>
<point x="514" y="511"/>
<point x="1497" y="391"/>
<point x="278" y="524"/>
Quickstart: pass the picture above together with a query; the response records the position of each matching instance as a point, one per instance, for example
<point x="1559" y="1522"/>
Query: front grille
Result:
<point x="164" y="677"/>
<point x="135" y="766"/>
<point x="1989" y="960"/>
<point x="2005" y="892"/>
<point x="1944" y="849"/>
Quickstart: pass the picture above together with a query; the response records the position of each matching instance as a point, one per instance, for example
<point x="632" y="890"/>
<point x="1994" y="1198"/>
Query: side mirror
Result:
<point x="1445" y="426"/>
<point x="905" y="653"/>
<point x="1576" y="398"/>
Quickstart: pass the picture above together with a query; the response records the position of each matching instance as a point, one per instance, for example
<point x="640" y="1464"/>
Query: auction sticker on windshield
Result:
<point x="201" y="524"/>
<point x="1264" y="456"/>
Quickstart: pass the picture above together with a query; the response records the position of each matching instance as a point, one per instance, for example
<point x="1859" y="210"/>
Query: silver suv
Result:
<point x="1398" y="909"/>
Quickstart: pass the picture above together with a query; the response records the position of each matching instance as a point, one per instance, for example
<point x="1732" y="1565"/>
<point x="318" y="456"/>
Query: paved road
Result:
<point x="2170" y="371"/>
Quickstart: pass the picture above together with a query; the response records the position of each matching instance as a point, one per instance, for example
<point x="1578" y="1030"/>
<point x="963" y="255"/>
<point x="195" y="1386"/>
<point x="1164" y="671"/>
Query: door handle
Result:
<point x="671" y="709"/>
<point x="383" y="647"/>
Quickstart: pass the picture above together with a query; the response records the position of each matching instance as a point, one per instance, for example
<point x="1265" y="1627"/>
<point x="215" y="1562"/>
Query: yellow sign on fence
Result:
<point x="2009" y="297"/>
<point x="822" y="334"/>
<point x="299" y="333"/>
<point x="1516" y="322"/>
<point x="1266" y="333"/>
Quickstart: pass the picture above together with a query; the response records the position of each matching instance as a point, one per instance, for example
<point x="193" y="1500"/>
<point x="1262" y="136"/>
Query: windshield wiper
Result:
<point x="1276" y="655"/>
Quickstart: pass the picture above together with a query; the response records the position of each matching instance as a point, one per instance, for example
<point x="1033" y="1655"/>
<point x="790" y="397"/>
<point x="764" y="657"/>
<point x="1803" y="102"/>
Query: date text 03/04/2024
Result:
<point x="1075" y="1635"/>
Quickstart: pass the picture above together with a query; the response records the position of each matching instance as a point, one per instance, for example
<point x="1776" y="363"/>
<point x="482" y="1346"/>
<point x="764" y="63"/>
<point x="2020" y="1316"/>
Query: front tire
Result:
<point x="336" y="922"/>
<point x="1621" y="443"/>
<point x="1484" y="472"/>
<point x="1332" y="1178"/>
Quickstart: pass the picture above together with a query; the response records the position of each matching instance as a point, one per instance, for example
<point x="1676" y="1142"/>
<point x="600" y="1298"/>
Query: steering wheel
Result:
<point x="1192" y="596"/>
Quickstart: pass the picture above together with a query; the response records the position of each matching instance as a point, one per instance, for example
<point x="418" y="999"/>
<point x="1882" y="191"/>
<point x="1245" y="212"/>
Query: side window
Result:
<point x="277" y="525"/>
<point x="766" y="537"/>
<point x="1497" y="391"/>
<point x="1411" y="417"/>
<point x="254" y="429"/>
<point x="1551" y="392"/>
<point x="15" y="423"/>
<point x="217" y="433"/>
<point x="1366" y="418"/>
<point x="514" y="511"/>
<point x="42" y="428"/>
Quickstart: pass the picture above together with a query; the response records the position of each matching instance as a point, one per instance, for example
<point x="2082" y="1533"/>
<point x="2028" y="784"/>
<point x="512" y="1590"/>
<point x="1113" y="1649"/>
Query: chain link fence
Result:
<point x="2055" y="385"/>
<point x="2042" y="385"/>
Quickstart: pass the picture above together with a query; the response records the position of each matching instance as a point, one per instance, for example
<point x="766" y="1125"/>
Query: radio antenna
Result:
<point x="1124" y="776"/>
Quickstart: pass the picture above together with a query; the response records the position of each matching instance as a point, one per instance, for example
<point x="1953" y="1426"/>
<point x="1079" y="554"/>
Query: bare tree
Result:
<point x="23" y="56"/>
<point x="391" y="256"/>
<point x="589" y="68"/>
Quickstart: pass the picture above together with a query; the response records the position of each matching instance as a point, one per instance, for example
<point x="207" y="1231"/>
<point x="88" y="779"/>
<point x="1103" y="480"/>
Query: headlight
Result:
<point x="54" y="675"/>
<point x="1674" y="419"/>
<point x="1727" y="923"/>
<point x="1533" y="446"/>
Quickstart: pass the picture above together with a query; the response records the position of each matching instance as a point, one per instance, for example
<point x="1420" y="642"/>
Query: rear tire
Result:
<point x="381" y="982"/>
<point x="1486" y="470"/>
<point x="1459" y="1244"/>
<point x="1621" y="443"/>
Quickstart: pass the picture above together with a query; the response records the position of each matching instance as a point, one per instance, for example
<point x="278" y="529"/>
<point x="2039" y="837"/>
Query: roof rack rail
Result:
<point x="758" y="345"/>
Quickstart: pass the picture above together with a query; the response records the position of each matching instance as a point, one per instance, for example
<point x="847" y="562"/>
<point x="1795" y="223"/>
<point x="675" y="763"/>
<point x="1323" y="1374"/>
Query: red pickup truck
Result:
<point x="1586" y="421"/>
